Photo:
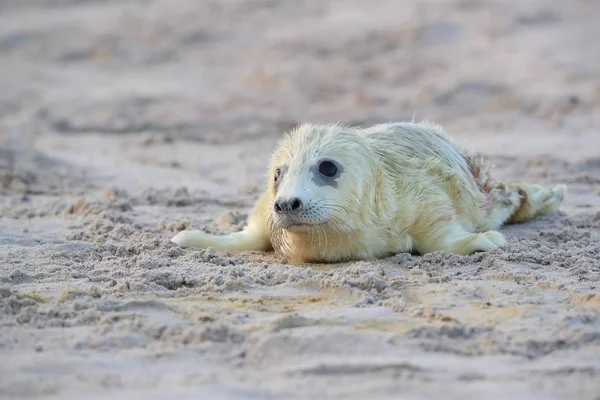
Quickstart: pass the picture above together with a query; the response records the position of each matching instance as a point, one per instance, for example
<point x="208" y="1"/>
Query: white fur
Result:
<point x="404" y="187"/>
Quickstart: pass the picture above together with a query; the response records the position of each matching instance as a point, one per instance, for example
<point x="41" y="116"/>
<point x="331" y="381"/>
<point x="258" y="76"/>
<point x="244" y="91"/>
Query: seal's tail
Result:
<point x="248" y="239"/>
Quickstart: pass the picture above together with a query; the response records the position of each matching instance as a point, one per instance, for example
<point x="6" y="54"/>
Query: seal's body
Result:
<point x="337" y="193"/>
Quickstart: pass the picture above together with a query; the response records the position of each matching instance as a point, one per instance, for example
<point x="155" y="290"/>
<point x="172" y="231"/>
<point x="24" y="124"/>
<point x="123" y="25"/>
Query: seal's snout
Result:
<point x="288" y="206"/>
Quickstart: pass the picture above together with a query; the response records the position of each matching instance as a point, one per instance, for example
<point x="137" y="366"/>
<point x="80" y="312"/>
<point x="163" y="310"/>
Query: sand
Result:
<point x="123" y="122"/>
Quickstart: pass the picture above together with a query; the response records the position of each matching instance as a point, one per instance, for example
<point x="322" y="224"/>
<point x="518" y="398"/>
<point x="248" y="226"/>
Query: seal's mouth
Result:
<point x="298" y="227"/>
<point x="293" y="225"/>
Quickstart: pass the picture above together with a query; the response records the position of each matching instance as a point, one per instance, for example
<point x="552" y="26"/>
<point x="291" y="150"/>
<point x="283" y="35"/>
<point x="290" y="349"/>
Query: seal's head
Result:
<point x="323" y="180"/>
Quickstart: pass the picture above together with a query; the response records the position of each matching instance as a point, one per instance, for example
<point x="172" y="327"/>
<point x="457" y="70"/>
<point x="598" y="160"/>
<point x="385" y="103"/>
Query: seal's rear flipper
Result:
<point x="248" y="239"/>
<point x="535" y="200"/>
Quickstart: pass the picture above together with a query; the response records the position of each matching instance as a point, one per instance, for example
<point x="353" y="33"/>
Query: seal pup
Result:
<point x="337" y="193"/>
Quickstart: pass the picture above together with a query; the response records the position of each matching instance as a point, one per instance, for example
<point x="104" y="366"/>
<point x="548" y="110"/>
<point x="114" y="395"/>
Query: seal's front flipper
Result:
<point x="453" y="238"/>
<point x="255" y="237"/>
<point x="248" y="239"/>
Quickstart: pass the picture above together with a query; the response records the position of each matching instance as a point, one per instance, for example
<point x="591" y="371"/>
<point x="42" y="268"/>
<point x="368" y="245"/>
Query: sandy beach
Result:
<point x="124" y="122"/>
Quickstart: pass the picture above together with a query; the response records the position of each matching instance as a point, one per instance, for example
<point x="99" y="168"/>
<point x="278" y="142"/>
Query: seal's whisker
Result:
<point x="340" y="232"/>
<point x="332" y="205"/>
<point x="326" y="247"/>
<point x="342" y="222"/>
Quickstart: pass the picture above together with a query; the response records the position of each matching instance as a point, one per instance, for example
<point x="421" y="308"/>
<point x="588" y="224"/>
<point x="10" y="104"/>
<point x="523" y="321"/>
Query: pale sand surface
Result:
<point x="123" y="122"/>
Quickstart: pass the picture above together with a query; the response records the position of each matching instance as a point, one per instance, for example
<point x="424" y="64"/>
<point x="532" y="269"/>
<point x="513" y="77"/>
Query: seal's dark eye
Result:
<point x="328" y="168"/>
<point x="277" y="174"/>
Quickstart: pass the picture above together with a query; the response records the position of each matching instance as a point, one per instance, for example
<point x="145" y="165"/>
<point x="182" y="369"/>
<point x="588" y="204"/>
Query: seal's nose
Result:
<point x="288" y="206"/>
